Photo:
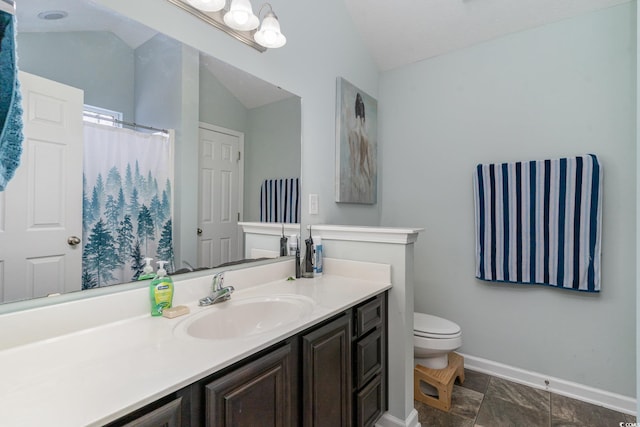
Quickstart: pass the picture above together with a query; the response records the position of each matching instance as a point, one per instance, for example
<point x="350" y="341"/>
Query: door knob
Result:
<point x="73" y="240"/>
<point x="199" y="231"/>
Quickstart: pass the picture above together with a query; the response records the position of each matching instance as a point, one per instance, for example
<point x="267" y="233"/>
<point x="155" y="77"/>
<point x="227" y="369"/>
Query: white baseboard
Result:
<point x="617" y="402"/>
<point x="388" y="420"/>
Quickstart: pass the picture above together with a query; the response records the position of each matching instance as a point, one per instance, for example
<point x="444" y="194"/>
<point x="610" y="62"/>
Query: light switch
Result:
<point x="313" y="204"/>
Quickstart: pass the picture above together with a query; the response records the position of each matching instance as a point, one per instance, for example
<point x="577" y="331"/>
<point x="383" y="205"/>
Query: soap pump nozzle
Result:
<point x="161" y="271"/>
<point x="148" y="269"/>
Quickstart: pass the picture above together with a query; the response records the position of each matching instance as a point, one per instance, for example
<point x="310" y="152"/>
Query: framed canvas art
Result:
<point x="356" y="145"/>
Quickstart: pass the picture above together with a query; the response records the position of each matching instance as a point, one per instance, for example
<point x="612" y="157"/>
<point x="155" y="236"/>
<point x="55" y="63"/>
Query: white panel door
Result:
<point x="41" y="209"/>
<point x="218" y="199"/>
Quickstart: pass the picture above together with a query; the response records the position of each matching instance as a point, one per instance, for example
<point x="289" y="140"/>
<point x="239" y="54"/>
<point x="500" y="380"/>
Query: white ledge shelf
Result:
<point x="270" y="228"/>
<point x="356" y="233"/>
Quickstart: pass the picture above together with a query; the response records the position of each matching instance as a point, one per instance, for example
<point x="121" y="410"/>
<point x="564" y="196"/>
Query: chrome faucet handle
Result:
<point x="218" y="281"/>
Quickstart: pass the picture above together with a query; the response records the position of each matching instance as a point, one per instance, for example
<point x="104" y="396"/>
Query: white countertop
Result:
<point x="96" y="375"/>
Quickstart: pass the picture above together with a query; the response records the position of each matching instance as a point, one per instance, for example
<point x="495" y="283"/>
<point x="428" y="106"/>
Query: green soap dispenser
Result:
<point x="147" y="271"/>
<point x="161" y="290"/>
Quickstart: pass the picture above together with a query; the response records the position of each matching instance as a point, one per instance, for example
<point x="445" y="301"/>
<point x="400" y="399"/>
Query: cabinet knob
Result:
<point x="199" y="231"/>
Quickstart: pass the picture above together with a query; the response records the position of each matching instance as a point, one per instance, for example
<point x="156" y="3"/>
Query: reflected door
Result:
<point x="41" y="209"/>
<point x="219" y="166"/>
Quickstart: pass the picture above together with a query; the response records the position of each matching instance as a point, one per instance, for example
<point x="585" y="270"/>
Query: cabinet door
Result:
<point x="326" y="372"/>
<point x="369" y="403"/>
<point x="256" y="394"/>
<point x="167" y="415"/>
<point x="369" y="357"/>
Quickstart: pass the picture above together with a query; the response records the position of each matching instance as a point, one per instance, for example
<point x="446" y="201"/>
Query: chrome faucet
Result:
<point x="219" y="293"/>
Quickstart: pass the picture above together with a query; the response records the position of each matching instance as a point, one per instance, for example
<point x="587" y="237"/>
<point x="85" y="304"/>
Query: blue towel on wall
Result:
<point x="540" y="222"/>
<point x="10" y="102"/>
<point x="280" y="200"/>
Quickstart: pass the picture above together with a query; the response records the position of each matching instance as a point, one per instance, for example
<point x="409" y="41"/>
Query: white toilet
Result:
<point x="433" y="339"/>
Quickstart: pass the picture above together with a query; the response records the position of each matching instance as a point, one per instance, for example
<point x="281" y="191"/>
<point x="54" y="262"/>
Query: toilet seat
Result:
<point x="428" y="326"/>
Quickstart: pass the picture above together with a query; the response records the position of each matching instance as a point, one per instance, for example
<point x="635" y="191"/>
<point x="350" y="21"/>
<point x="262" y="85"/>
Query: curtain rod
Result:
<point x="122" y="122"/>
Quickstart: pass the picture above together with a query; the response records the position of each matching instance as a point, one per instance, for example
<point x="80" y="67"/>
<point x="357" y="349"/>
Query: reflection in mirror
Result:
<point x="125" y="71"/>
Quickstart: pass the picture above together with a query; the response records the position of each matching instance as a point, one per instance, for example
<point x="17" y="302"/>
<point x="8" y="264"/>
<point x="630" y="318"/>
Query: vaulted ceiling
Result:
<point x="397" y="32"/>
<point x="401" y="32"/>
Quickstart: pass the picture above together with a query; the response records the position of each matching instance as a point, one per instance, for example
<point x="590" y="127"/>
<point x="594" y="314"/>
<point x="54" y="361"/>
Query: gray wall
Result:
<point x="307" y="66"/>
<point x="272" y="149"/>
<point x="563" y="89"/>
<point x="98" y="62"/>
<point x="218" y="106"/>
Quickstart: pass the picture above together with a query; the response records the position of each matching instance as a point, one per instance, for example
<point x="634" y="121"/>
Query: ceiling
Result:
<point x="397" y="33"/>
<point x="82" y="16"/>
<point x="402" y="32"/>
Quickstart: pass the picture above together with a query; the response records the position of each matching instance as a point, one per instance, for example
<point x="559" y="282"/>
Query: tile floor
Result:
<point x="486" y="401"/>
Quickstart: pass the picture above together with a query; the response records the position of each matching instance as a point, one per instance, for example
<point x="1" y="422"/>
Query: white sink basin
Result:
<point x="237" y="318"/>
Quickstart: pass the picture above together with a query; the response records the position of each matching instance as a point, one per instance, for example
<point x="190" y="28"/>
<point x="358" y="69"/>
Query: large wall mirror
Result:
<point x="142" y="76"/>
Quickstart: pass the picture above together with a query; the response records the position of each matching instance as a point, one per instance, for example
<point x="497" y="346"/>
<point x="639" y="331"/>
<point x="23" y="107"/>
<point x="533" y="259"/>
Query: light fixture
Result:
<point x="269" y="34"/>
<point x="240" y="16"/>
<point x="208" y="5"/>
<point x="53" y="15"/>
<point x="238" y="21"/>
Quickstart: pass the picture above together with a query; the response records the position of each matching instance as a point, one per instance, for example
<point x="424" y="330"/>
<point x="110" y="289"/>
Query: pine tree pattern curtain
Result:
<point x="127" y="185"/>
<point x="540" y="222"/>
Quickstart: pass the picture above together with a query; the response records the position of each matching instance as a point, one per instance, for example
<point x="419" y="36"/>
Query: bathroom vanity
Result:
<point x="332" y="373"/>
<point x="322" y="363"/>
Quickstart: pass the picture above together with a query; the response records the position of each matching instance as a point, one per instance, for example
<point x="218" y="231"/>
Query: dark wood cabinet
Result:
<point x="369" y="357"/>
<point x="333" y="374"/>
<point x="168" y="415"/>
<point x="326" y="375"/>
<point x="259" y="393"/>
<point x="171" y="411"/>
<point x="370" y="401"/>
<point x="370" y="361"/>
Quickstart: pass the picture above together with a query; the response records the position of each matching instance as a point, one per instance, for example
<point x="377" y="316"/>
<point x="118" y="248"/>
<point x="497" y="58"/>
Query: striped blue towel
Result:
<point x="280" y="200"/>
<point x="539" y="222"/>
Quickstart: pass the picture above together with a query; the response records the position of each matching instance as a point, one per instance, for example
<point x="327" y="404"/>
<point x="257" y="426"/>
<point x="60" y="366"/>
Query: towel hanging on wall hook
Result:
<point x="540" y="222"/>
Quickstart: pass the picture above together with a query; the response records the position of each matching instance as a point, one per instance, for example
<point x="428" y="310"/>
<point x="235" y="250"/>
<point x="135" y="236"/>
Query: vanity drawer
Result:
<point x="369" y="316"/>
<point x="370" y="403"/>
<point x="369" y="353"/>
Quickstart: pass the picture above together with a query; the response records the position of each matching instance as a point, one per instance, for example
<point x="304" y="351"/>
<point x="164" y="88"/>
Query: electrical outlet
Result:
<point x="313" y="204"/>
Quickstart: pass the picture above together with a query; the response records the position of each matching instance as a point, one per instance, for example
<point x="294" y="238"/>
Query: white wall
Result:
<point x="563" y="89"/>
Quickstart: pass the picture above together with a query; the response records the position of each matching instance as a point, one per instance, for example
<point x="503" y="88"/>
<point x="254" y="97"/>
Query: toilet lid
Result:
<point x="429" y="326"/>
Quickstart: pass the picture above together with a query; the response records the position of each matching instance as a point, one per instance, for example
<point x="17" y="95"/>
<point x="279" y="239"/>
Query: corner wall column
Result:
<point x="394" y="246"/>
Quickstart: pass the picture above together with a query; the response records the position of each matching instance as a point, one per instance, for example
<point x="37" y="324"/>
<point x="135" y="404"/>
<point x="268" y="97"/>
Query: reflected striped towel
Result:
<point x="539" y="222"/>
<point x="280" y="200"/>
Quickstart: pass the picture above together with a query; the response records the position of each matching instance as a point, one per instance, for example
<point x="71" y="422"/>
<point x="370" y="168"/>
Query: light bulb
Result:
<point x="240" y="16"/>
<point x="269" y="34"/>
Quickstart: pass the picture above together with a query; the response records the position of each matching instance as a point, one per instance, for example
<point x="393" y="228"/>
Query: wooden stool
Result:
<point x="441" y="379"/>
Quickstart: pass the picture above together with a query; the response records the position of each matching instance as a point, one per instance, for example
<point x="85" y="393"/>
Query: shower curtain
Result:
<point x="127" y="184"/>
